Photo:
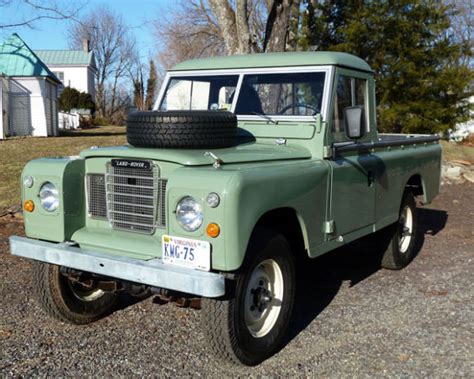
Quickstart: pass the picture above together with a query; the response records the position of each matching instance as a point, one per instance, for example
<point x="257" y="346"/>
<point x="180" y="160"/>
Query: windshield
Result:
<point x="299" y="94"/>
<point x="199" y="93"/>
<point x="270" y="94"/>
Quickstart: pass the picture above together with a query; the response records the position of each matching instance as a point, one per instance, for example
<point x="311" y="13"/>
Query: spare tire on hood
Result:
<point x="182" y="129"/>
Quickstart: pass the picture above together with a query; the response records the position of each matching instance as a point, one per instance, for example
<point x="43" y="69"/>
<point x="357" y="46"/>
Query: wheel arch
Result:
<point x="288" y="222"/>
<point x="417" y="185"/>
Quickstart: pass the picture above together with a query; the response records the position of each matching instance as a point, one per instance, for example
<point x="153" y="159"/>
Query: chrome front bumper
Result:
<point x="152" y="272"/>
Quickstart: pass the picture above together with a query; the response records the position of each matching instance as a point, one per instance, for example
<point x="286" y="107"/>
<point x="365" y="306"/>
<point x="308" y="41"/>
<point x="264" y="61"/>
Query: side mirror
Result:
<point x="354" y="121"/>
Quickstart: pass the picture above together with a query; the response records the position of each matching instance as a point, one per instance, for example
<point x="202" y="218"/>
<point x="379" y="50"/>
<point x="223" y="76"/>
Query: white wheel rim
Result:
<point x="263" y="298"/>
<point x="86" y="294"/>
<point x="405" y="229"/>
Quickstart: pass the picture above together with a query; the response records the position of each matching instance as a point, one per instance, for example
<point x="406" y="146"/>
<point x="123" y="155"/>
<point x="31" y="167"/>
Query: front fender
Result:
<point x="247" y="193"/>
<point x="67" y="174"/>
<point x="301" y="186"/>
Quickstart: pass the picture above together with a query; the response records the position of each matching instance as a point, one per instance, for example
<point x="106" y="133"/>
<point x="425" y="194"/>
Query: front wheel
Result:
<point x="68" y="301"/>
<point x="250" y="326"/>
<point x="400" y="249"/>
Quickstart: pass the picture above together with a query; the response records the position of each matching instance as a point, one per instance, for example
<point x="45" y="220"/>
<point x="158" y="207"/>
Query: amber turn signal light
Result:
<point x="213" y="230"/>
<point x="29" y="206"/>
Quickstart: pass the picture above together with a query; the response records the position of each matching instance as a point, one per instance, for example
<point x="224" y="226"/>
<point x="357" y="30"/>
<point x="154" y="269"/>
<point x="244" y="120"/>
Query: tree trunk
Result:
<point x="276" y="33"/>
<point x="243" y="29"/>
<point x="293" y="27"/>
<point x="226" y="19"/>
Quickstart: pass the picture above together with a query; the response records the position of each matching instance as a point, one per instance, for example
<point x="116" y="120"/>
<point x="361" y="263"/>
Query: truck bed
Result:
<point x="386" y="140"/>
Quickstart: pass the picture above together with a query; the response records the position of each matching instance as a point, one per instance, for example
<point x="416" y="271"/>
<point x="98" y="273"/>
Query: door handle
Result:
<point x="370" y="178"/>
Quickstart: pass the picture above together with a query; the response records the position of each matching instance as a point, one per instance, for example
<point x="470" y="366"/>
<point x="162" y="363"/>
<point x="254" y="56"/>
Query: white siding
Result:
<point x="78" y="77"/>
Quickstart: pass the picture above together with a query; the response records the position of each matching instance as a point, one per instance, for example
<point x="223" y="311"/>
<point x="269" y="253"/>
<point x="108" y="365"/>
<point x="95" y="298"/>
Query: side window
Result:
<point x="349" y="92"/>
<point x="342" y="100"/>
<point x="360" y="93"/>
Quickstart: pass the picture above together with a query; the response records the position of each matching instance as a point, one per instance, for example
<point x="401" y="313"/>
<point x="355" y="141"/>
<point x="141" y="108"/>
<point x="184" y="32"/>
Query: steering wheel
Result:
<point x="297" y="105"/>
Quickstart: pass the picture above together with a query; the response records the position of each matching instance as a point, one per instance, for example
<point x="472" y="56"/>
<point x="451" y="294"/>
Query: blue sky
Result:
<point x="52" y="34"/>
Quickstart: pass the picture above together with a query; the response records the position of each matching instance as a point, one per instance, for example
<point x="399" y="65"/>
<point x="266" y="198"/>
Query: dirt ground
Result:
<point x="352" y="319"/>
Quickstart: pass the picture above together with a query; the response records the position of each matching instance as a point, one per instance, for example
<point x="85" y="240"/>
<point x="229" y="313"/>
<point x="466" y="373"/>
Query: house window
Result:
<point x="59" y="75"/>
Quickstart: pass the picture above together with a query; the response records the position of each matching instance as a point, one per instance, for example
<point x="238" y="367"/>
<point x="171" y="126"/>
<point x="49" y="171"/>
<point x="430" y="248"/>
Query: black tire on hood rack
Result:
<point x="182" y="129"/>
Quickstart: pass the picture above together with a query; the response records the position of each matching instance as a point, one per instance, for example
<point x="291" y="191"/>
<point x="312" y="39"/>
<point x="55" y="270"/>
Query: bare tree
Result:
<point x="37" y="11"/>
<point x="462" y="26"/>
<point x="115" y="52"/>
<point x="200" y="28"/>
<point x="189" y="31"/>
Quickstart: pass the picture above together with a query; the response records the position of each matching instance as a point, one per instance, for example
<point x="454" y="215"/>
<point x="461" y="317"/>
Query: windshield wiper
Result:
<point x="265" y="117"/>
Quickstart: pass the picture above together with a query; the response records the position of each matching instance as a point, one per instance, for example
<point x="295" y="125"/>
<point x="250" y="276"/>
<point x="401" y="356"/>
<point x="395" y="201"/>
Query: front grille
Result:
<point x="135" y="198"/>
<point x="96" y="204"/>
<point x="131" y="199"/>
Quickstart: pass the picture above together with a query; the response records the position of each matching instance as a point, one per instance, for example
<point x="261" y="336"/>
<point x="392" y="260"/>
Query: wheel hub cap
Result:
<point x="405" y="229"/>
<point x="263" y="298"/>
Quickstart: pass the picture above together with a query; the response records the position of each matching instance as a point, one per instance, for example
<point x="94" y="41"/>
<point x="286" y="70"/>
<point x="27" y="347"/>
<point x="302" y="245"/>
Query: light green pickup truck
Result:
<point x="246" y="164"/>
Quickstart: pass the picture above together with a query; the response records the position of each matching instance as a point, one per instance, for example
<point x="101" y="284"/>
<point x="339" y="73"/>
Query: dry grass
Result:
<point x="16" y="152"/>
<point x="453" y="151"/>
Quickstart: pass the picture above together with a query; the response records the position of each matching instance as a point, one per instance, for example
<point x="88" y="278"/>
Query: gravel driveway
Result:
<point x="352" y="319"/>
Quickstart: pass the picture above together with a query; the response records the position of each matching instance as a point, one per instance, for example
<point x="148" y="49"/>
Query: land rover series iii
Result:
<point x="246" y="163"/>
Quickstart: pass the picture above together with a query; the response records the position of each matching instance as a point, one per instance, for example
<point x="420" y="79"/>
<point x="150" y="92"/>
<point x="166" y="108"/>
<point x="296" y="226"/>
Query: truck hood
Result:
<point x="250" y="152"/>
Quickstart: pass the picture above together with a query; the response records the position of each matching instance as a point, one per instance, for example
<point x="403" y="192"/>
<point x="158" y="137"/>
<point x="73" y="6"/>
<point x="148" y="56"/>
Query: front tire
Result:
<point x="67" y="301"/>
<point x="401" y="236"/>
<point x="250" y="326"/>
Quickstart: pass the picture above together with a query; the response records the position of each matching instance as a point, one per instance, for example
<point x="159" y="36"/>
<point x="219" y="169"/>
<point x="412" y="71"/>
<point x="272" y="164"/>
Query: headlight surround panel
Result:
<point x="189" y="214"/>
<point x="49" y="197"/>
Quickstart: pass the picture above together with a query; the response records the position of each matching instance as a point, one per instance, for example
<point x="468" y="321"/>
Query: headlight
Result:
<point x="189" y="214"/>
<point x="49" y="197"/>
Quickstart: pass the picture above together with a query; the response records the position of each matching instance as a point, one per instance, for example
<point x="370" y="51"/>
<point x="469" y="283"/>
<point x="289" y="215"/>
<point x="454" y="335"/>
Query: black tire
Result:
<point x="182" y="129"/>
<point x="58" y="297"/>
<point x="399" y="238"/>
<point x="224" y="320"/>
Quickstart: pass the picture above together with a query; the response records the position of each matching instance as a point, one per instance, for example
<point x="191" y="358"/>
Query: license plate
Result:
<point x="186" y="252"/>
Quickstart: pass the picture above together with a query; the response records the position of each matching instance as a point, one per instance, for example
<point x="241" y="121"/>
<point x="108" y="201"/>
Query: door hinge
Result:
<point x="328" y="227"/>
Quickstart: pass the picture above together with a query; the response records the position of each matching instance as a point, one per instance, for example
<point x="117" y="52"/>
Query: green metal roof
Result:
<point x="303" y="58"/>
<point x="17" y="59"/>
<point x="66" y="57"/>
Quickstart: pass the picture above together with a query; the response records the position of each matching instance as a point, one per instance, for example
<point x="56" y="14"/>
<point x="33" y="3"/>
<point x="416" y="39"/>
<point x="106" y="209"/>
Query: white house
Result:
<point x="28" y="92"/>
<point x="74" y="68"/>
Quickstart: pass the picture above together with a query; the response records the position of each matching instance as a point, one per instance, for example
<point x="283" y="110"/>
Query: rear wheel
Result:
<point x="250" y="326"/>
<point x="400" y="237"/>
<point x="69" y="301"/>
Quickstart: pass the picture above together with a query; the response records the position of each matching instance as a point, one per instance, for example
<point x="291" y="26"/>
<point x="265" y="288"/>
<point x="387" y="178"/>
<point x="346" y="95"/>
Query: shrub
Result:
<point x="71" y="98"/>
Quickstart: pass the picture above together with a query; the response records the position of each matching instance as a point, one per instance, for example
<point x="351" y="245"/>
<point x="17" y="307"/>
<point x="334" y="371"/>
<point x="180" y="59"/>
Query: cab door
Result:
<point x="352" y="191"/>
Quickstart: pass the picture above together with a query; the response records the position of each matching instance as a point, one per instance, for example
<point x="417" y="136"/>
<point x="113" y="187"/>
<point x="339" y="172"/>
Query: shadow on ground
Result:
<point x="319" y="280"/>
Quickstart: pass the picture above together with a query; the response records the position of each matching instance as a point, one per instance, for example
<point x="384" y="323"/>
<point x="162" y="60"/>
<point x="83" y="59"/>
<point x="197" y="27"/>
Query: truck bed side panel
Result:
<point x="397" y="166"/>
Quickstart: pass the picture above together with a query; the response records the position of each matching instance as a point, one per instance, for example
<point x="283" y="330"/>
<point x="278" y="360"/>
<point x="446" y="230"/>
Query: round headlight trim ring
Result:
<point x="189" y="214"/>
<point x="49" y="197"/>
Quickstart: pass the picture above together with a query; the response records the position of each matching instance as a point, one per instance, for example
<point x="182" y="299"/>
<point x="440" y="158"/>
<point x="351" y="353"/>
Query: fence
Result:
<point x="68" y="120"/>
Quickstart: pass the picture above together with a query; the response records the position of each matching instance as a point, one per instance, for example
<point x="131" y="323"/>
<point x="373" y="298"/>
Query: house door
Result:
<point x="19" y="118"/>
